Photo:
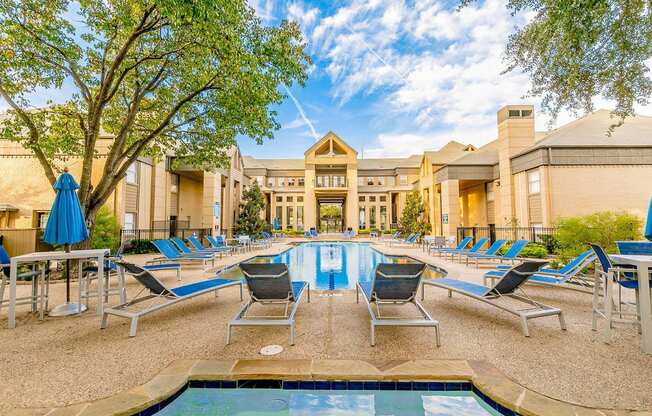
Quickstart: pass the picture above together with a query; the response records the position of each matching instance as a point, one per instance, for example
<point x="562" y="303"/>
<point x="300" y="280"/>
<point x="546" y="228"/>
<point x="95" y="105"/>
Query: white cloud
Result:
<point x="302" y="114"/>
<point x="264" y="9"/>
<point x="303" y="16"/>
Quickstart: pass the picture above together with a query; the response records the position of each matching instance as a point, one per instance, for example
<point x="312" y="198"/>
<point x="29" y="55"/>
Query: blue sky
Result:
<point x="396" y="77"/>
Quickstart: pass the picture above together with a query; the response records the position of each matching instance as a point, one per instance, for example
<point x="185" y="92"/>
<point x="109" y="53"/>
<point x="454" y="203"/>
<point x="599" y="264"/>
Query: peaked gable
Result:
<point x="331" y="141"/>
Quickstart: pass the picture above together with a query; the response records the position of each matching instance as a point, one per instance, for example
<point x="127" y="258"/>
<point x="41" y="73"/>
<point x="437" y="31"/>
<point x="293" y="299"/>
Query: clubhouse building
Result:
<point x="523" y="178"/>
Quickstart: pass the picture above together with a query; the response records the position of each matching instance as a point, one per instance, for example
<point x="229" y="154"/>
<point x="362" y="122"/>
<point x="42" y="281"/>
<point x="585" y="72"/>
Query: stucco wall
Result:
<point x="586" y="189"/>
<point x="474" y="206"/>
<point x="190" y="201"/>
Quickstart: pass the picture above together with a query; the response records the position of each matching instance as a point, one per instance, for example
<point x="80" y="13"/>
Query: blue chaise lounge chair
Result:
<point x="491" y="251"/>
<point x="461" y="246"/>
<point x="474" y="249"/>
<point x="395" y="284"/>
<point x="510" y="255"/>
<point x="507" y="288"/>
<point x="171" y="254"/>
<point x="160" y="295"/>
<point x="268" y="284"/>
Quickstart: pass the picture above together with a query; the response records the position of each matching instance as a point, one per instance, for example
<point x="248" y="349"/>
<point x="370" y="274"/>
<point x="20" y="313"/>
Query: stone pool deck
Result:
<point x="72" y="365"/>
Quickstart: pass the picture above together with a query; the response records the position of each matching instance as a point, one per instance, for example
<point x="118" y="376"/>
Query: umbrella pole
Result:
<point x="67" y="250"/>
<point x="68" y="308"/>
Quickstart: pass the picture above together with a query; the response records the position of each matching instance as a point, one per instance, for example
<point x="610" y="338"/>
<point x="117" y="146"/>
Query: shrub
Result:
<point x="106" y="230"/>
<point x="603" y="228"/>
<point x="534" y="250"/>
<point x="140" y="247"/>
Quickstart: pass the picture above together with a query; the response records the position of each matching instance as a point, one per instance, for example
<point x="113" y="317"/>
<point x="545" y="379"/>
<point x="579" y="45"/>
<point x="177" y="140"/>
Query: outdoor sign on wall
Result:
<point x="217" y="210"/>
<point x="444" y="218"/>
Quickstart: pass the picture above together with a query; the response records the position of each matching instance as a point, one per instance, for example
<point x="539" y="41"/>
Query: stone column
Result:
<point x="351" y="198"/>
<point x="309" y="199"/>
<point x="450" y="198"/>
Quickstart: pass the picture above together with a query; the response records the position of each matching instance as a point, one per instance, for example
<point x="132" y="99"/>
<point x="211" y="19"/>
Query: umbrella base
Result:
<point x="67" y="309"/>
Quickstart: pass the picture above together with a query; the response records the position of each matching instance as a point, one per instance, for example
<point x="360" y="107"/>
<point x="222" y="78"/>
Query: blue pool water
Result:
<point x="331" y="265"/>
<point x="271" y="402"/>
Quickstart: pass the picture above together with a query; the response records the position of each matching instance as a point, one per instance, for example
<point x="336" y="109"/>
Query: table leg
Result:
<point x="646" y="311"/>
<point x="12" y="293"/>
<point x="100" y="285"/>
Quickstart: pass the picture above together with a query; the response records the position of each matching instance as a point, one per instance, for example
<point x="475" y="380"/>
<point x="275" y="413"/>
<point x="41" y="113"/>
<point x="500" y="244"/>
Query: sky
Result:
<point x="394" y="77"/>
<point x="397" y="77"/>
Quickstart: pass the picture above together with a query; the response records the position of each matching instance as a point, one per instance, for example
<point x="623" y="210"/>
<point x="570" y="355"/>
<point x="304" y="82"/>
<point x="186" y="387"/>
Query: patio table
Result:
<point x="79" y="255"/>
<point x="644" y="265"/>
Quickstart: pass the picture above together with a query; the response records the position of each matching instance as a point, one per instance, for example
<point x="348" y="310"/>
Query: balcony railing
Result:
<point x="330" y="181"/>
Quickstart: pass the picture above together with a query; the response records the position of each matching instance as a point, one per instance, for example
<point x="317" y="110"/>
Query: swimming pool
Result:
<point x="366" y="399"/>
<point x="332" y="265"/>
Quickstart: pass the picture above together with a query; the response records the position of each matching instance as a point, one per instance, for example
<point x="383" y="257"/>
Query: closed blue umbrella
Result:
<point x="648" y="224"/>
<point x="66" y="226"/>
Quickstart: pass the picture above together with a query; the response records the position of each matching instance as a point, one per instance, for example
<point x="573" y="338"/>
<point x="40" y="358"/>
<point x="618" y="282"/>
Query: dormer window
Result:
<point x="519" y="113"/>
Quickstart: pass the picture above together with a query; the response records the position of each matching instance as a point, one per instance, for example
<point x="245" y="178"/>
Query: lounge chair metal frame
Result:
<point x="493" y="297"/>
<point x="377" y="319"/>
<point x="243" y="318"/>
<point x="161" y="299"/>
<point x="191" y="258"/>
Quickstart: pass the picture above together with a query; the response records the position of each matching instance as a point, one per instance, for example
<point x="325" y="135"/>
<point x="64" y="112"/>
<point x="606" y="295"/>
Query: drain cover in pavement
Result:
<point x="271" y="350"/>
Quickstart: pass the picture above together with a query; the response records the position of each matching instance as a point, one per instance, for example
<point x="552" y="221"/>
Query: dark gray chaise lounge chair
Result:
<point x="160" y="295"/>
<point x="270" y="283"/>
<point x="395" y="284"/>
<point x="508" y="287"/>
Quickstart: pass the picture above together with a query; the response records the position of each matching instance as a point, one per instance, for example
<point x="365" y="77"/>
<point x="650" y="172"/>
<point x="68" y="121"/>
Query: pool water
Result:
<point x="331" y="265"/>
<point x="271" y="402"/>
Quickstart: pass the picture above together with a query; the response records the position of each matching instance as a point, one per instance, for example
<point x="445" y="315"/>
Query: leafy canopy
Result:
<point x="249" y="220"/>
<point x="575" y="50"/>
<point x="181" y="76"/>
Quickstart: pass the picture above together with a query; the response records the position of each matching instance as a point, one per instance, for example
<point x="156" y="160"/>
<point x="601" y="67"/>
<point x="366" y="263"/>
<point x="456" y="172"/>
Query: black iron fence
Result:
<point x="161" y="233"/>
<point x="541" y="235"/>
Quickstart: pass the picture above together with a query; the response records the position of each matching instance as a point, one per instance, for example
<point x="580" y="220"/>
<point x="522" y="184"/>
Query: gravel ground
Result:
<point x="62" y="361"/>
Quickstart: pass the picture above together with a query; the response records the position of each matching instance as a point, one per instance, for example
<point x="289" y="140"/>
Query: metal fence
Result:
<point x="18" y="241"/>
<point x="161" y="233"/>
<point x="541" y="235"/>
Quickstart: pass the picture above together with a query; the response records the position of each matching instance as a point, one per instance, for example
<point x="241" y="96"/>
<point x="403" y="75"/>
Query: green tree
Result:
<point x="575" y="50"/>
<point x="107" y="230"/>
<point x="411" y="218"/>
<point x="330" y="212"/>
<point x="249" y="220"/>
<point x="159" y="76"/>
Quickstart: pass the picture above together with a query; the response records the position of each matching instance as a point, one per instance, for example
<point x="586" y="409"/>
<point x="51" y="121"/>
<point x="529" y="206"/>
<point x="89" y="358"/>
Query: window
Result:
<point x="381" y="181"/>
<point x="320" y="181"/>
<point x="360" y="181"/>
<point x="370" y="181"/>
<point x="42" y="219"/>
<point x="291" y="181"/>
<point x="520" y="113"/>
<point x="372" y="198"/>
<point x="290" y="217"/>
<point x="129" y="221"/>
<point x="299" y="199"/>
<point x="299" y="218"/>
<point x="533" y="182"/>
<point x="361" y="198"/>
<point x="383" y="216"/>
<point x="174" y="183"/>
<point x="490" y="191"/>
<point x="372" y="217"/>
<point x="270" y="182"/>
<point x="382" y="198"/>
<point x="288" y="199"/>
<point x="301" y="181"/>
<point x="279" y="199"/>
<point x="281" y="181"/>
<point x="132" y="174"/>
<point x="390" y="180"/>
<point x="403" y="180"/>
<point x="279" y="215"/>
<point x="361" y="219"/>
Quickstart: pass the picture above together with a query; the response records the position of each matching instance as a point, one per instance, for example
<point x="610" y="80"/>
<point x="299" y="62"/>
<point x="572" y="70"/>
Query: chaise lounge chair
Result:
<point x="270" y="283"/>
<point x="160" y="295"/>
<point x="510" y="255"/>
<point x="185" y="250"/>
<point x="410" y="241"/>
<point x="197" y="245"/>
<point x="507" y="288"/>
<point x="491" y="251"/>
<point x="395" y="284"/>
<point x="475" y="249"/>
<point x="566" y="277"/>
<point x="461" y="246"/>
<point x="171" y="254"/>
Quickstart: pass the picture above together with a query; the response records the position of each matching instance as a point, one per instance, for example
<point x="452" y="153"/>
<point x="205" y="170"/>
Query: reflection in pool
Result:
<point x="331" y="265"/>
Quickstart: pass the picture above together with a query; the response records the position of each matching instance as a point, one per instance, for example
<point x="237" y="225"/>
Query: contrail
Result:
<point x="302" y="113"/>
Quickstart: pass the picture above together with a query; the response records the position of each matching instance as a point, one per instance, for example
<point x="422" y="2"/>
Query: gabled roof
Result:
<point x="591" y="130"/>
<point x="328" y="136"/>
<point x="485" y="155"/>
<point x="448" y="152"/>
<point x="390" y="163"/>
